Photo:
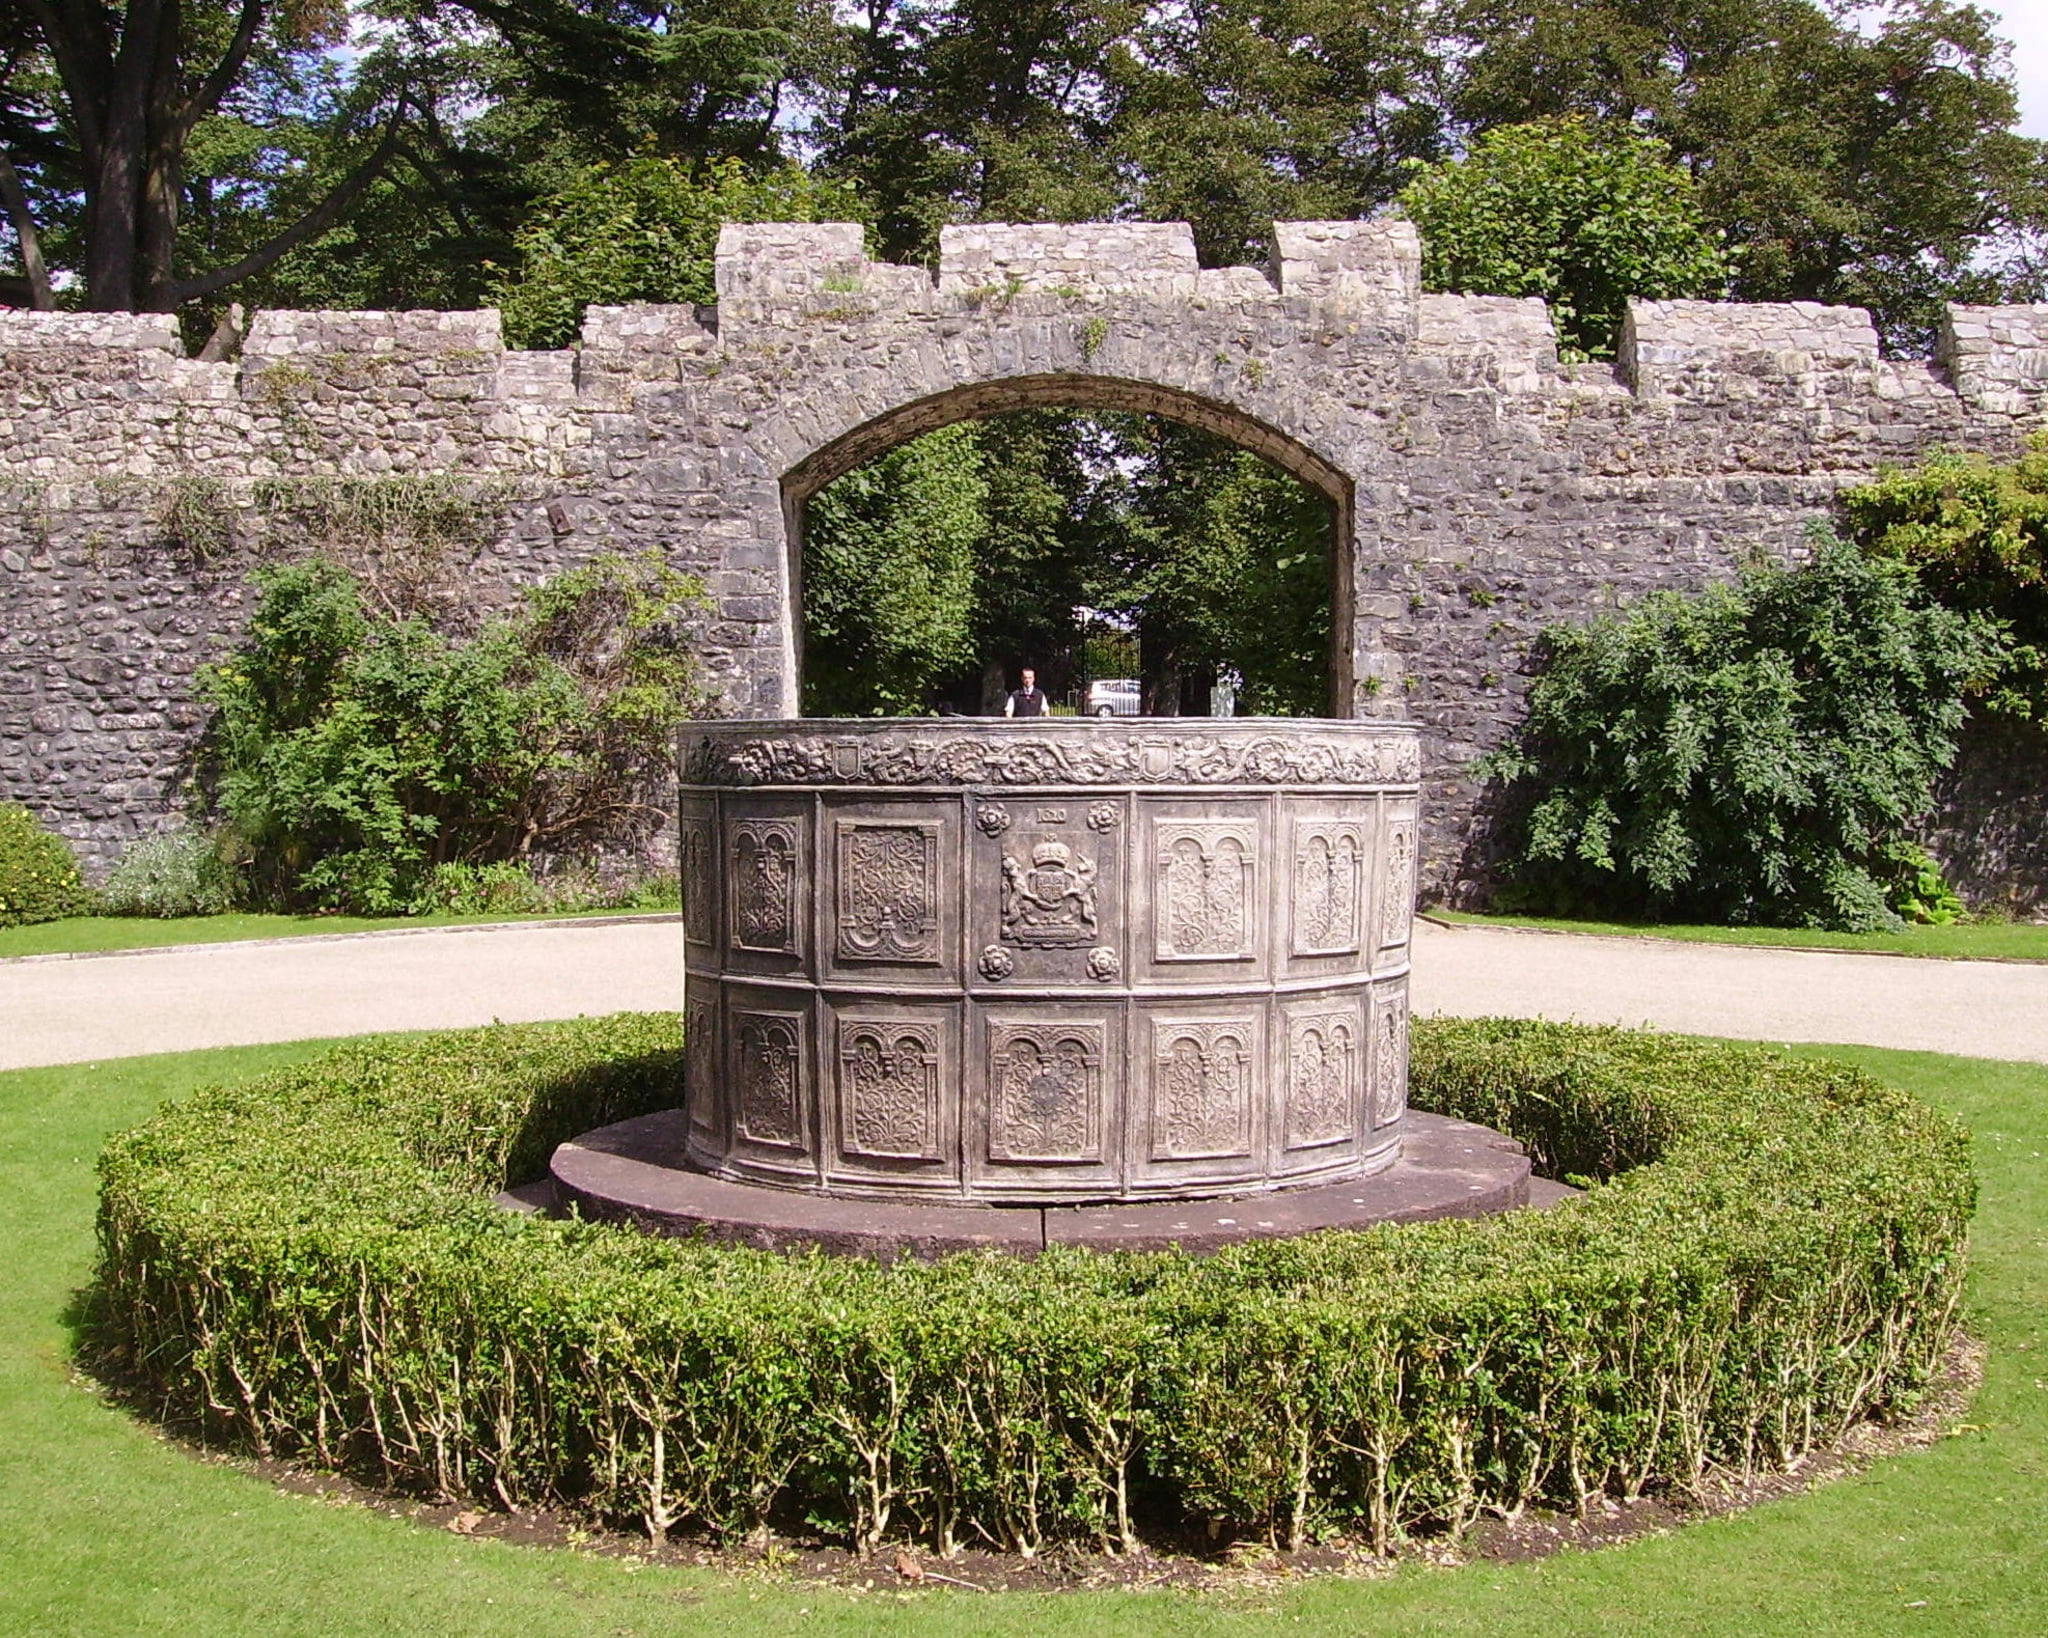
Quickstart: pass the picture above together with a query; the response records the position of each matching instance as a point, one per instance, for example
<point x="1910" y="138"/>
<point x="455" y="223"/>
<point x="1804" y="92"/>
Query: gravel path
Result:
<point x="79" y="1010"/>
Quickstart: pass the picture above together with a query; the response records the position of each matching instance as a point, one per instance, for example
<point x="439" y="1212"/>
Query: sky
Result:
<point x="2025" y="23"/>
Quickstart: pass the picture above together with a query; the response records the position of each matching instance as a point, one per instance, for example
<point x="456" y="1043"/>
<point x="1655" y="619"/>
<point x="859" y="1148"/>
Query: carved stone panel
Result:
<point x="1045" y="1091"/>
<point x="767" y="1080"/>
<point x="1201" y="1087"/>
<point x="888" y="907"/>
<point x="1049" y="896"/>
<point x="762" y="884"/>
<point x="696" y="851"/>
<point x="1397" y="891"/>
<point x="700" y="1071"/>
<point x="1205" y="900"/>
<point x="1326" y="905"/>
<point x="1325" y="1072"/>
<point x="1390" y="1056"/>
<point x="889" y="1089"/>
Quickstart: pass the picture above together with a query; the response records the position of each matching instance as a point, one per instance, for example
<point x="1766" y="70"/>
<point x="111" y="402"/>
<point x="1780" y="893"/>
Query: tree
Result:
<point x="1870" y="166"/>
<point x="1232" y="114"/>
<point x="646" y="230"/>
<point x="890" y="566"/>
<point x="104" y="103"/>
<point x="1583" y="216"/>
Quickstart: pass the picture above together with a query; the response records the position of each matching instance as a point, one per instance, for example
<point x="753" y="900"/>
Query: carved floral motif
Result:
<point x="1045" y="1092"/>
<point x="700" y="1056"/>
<point x="992" y="818"/>
<point x="1049" y="898"/>
<point x="996" y="964"/>
<point x="1103" y="964"/>
<point x="1390" y="1060"/>
<point x="889" y="892"/>
<point x="1397" y="904"/>
<point x="763" y="885"/>
<point x="1105" y="816"/>
<point x="767" y="1080"/>
<point x="1322" y="1078"/>
<point x="889" y="1089"/>
<point x="1328" y="871"/>
<point x="1202" y="910"/>
<point x="1201" y="1103"/>
<point x="696" y="850"/>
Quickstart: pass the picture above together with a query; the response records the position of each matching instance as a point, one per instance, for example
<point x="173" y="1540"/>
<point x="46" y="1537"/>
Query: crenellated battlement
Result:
<point x="1480" y="487"/>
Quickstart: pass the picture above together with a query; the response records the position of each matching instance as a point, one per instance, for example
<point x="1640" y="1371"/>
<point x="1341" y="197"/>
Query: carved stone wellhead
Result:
<point x="1056" y="960"/>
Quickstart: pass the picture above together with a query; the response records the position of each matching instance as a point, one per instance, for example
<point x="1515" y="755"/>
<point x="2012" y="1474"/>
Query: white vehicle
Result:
<point x="1113" y="697"/>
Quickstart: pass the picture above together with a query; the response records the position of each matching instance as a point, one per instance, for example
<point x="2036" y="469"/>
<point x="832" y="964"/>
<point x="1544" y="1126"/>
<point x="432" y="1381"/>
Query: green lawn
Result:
<point x="106" y="1529"/>
<point x="1977" y="941"/>
<point x="76" y="934"/>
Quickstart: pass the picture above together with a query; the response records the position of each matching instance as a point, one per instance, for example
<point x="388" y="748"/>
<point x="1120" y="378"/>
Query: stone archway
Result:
<point x="830" y="359"/>
<point x="975" y="401"/>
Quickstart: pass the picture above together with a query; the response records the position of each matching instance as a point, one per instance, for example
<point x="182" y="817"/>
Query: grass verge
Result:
<point x="96" y="935"/>
<point x="107" y="1529"/>
<point x="1975" y="941"/>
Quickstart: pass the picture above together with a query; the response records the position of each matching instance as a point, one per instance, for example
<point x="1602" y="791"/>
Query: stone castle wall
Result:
<point x="1483" y="490"/>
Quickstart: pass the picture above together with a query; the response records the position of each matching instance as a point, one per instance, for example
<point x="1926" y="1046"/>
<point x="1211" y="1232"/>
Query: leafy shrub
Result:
<point x="1748" y="753"/>
<point x="1587" y="217"/>
<point x="39" y="879"/>
<point x="310" y="1264"/>
<point x="353" y="753"/>
<point x="177" y="872"/>
<point x="1977" y="532"/>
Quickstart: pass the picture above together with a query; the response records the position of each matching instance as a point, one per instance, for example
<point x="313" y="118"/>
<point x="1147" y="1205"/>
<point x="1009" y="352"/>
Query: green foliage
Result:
<point x="1219" y="560"/>
<point x="1865" y="156"/>
<point x="179" y="872"/>
<point x="353" y="752"/>
<point x="889" y="577"/>
<point x="310" y="1265"/>
<point x="1584" y="216"/>
<point x="1744" y="754"/>
<point x="510" y="888"/>
<point x="39" y="879"/>
<point x="644" y="230"/>
<point x="1977" y="532"/>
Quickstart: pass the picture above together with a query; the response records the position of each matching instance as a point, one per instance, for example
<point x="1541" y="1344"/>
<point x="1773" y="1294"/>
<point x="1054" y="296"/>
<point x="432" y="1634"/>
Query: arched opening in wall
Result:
<point x="1142" y="551"/>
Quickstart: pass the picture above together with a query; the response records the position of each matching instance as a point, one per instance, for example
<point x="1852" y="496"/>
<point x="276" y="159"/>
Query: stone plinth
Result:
<point x="962" y="960"/>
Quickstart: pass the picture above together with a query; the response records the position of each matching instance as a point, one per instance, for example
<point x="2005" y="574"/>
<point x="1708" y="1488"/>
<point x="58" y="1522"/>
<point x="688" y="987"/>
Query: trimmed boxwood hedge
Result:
<point x="310" y="1265"/>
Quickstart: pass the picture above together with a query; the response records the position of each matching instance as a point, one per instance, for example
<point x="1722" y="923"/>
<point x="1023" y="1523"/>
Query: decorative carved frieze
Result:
<point x="696" y="850"/>
<point x="888" y="1089"/>
<point x="1204" y="904"/>
<point x="1201" y="1088"/>
<point x="1329" y="878"/>
<point x="1390" y="1058"/>
<point x="1323" y="1072"/>
<point x="768" y="1079"/>
<point x="888" y="892"/>
<point x="1045" y="1092"/>
<point x="1092" y="753"/>
<point x="762" y="884"/>
<point x="1049" y="897"/>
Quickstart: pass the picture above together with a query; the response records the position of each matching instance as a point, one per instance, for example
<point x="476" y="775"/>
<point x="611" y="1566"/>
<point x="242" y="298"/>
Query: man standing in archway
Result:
<point x="1028" y="701"/>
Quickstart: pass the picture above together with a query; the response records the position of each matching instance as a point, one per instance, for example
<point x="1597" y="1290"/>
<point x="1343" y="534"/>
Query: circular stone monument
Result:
<point x="971" y="963"/>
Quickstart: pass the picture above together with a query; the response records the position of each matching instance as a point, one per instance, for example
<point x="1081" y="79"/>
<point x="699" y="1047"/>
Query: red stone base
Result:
<point x="631" y="1173"/>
